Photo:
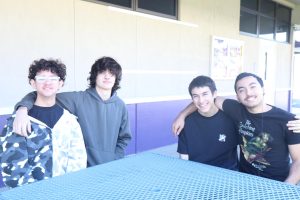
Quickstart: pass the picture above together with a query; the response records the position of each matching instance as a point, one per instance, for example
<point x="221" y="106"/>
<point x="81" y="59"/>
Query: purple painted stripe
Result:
<point x="154" y="121"/>
<point x="131" y="148"/>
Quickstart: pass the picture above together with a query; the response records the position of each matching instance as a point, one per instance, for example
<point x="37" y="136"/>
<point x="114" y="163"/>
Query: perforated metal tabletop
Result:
<point x="154" y="176"/>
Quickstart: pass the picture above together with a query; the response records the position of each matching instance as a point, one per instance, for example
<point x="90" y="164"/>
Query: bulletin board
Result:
<point x="226" y="58"/>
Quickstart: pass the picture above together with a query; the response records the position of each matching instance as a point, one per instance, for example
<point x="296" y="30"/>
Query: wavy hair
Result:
<point x="52" y="65"/>
<point x="103" y="64"/>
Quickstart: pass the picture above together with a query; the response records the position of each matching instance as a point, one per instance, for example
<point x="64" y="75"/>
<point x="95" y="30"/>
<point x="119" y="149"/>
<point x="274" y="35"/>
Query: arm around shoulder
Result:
<point x="69" y="100"/>
<point x="178" y="123"/>
<point x="219" y="102"/>
<point x="22" y="124"/>
<point x="294" y="125"/>
<point x="27" y="101"/>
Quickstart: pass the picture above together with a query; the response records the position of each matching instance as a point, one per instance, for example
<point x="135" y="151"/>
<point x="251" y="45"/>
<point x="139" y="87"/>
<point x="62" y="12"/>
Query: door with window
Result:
<point x="295" y="106"/>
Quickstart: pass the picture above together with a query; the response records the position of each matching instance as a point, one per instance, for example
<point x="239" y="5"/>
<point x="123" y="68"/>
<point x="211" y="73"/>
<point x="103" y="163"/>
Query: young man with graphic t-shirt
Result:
<point x="267" y="143"/>
<point x="55" y="145"/>
<point x="201" y="133"/>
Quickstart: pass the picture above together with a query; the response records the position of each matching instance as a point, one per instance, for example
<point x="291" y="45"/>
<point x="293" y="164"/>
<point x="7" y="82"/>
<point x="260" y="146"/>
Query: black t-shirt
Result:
<point x="48" y="115"/>
<point x="264" y="140"/>
<point x="210" y="140"/>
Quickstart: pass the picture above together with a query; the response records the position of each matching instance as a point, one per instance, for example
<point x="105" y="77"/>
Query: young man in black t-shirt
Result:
<point x="201" y="140"/>
<point x="269" y="136"/>
<point x="266" y="141"/>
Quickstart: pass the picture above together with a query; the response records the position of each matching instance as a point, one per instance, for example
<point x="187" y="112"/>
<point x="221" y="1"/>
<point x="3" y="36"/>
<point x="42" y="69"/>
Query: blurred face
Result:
<point x="203" y="99"/>
<point x="105" y="80"/>
<point x="250" y="93"/>
<point x="46" y="84"/>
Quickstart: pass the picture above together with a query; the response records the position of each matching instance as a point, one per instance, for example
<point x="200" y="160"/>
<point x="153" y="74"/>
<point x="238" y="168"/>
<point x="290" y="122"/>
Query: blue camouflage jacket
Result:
<point x="25" y="160"/>
<point x="44" y="153"/>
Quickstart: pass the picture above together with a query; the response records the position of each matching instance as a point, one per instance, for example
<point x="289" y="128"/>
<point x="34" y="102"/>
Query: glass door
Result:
<point x="295" y="104"/>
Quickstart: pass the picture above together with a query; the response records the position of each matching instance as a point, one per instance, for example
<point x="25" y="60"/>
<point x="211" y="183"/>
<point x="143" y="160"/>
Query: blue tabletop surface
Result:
<point x="154" y="176"/>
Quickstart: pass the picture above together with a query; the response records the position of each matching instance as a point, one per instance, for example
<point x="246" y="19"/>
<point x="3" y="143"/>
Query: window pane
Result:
<point x="267" y="7"/>
<point x="266" y="28"/>
<point x="167" y="7"/>
<point x="125" y="3"/>
<point x="283" y="14"/>
<point x="282" y="32"/>
<point x="248" y="23"/>
<point x="250" y="4"/>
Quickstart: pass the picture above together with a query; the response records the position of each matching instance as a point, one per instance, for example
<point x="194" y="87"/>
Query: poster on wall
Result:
<point x="227" y="58"/>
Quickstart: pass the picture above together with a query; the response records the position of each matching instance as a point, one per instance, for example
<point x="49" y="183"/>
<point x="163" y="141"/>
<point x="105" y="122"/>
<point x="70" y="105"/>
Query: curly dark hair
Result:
<point x="55" y="66"/>
<point x="103" y="64"/>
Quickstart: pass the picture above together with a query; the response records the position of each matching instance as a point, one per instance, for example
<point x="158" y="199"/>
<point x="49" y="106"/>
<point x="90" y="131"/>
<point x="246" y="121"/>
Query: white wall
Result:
<point x="296" y="15"/>
<point x="29" y="30"/>
<point x="159" y="58"/>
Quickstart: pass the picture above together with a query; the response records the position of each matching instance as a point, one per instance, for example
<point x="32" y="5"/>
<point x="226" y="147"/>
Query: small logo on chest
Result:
<point x="222" y="138"/>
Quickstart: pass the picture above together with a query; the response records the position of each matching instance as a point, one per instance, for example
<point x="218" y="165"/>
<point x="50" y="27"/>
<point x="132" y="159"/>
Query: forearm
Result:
<point x="219" y="102"/>
<point x="178" y="123"/>
<point x="294" y="174"/>
<point x="187" y="110"/>
<point x="22" y="110"/>
<point x="21" y="124"/>
<point x="124" y="136"/>
<point x="294" y="125"/>
<point x="27" y="101"/>
<point x="121" y="145"/>
<point x="68" y="100"/>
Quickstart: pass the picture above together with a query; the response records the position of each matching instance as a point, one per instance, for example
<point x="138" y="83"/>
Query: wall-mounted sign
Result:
<point x="226" y="58"/>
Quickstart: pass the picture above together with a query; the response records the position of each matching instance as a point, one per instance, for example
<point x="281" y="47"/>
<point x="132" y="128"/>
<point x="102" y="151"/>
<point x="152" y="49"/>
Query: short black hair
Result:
<point x="103" y="64"/>
<point x="246" y="74"/>
<point x="202" y="81"/>
<point x="52" y="65"/>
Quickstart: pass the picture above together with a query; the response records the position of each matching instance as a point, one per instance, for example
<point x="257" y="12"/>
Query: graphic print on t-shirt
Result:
<point x="255" y="147"/>
<point x="222" y="137"/>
